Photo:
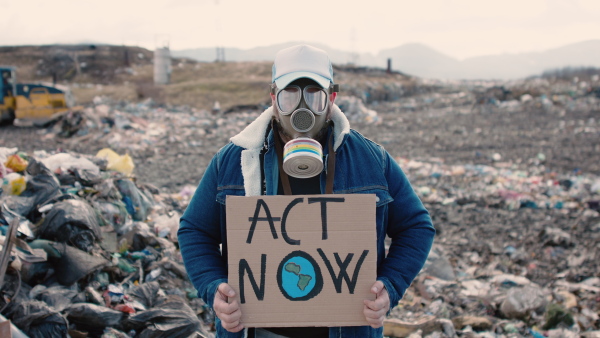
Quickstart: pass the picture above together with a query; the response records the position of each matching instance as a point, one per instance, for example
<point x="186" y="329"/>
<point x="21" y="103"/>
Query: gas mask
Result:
<point x="302" y="116"/>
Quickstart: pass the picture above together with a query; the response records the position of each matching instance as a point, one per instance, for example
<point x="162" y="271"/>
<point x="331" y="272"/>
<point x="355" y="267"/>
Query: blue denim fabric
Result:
<point x="362" y="167"/>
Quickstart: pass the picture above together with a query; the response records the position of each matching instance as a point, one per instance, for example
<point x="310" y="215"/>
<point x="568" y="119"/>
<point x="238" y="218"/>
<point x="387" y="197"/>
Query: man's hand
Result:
<point x="375" y="310"/>
<point x="229" y="313"/>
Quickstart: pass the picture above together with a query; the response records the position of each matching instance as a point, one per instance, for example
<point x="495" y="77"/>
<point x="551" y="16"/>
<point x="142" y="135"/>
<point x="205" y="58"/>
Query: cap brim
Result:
<point x="286" y="79"/>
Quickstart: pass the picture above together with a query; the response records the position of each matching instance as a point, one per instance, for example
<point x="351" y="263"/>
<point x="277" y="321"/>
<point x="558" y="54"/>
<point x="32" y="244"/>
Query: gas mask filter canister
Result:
<point x="303" y="157"/>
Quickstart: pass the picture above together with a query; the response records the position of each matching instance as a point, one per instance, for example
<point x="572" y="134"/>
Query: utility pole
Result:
<point x="220" y="48"/>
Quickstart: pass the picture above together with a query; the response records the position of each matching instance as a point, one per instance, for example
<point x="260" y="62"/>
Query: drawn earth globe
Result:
<point x="299" y="276"/>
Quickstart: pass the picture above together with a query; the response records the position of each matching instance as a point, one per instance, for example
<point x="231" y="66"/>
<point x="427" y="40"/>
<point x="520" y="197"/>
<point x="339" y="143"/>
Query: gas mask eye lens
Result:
<point x="315" y="98"/>
<point x="288" y="99"/>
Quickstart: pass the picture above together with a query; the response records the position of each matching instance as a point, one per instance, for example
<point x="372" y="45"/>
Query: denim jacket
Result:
<point x="361" y="167"/>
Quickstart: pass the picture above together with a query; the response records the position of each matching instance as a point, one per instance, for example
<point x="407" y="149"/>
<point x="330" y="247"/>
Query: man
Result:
<point x="260" y="161"/>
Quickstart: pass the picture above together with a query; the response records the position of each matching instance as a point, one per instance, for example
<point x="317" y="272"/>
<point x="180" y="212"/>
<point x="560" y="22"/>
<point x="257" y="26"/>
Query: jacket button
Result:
<point x="376" y="198"/>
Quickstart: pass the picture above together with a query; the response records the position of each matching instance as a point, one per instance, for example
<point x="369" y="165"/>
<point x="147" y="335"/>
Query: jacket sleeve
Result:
<point x="199" y="237"/>
<point x="410" y="228"/>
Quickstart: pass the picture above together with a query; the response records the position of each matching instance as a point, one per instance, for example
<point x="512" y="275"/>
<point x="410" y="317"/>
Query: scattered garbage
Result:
<point x="71" y="221"/>
<point x="523" y="303"/>
<point x="517" y="219"/>
<point x="37" y="319"/>
<point x="93" y="252"/>
<point x="356" y="111"/>
<point x="122" y="164"/>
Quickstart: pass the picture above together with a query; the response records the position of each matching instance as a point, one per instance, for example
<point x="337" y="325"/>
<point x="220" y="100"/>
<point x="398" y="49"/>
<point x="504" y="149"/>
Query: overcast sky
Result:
<point x="458" y="28"/>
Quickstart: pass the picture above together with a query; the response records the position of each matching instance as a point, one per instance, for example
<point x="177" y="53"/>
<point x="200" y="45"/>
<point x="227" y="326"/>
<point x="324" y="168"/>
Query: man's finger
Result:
<point x="370" y="313"/>
<point x="373" y="320"/>
<point x="228" y="325"/>
<point x="376" y="316"/>
<point x="376" y="305"/>
<point x="226" y="308"/>
<point x="237" y="328"/>
<point x="376" y="325"/>
<point x="231" y="318"/>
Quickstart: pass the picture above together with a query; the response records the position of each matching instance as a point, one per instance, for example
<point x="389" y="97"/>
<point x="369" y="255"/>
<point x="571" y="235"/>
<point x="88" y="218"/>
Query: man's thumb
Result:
<point x="377" y="288"/>
<point x="226" y="290"/>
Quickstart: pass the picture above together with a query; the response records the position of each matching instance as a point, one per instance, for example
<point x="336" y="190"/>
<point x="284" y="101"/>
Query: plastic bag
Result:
<point x="38" y="320"/>
<point x="16" y="163"/>
<point x="136" y="201"/>
<point x="20" y="205"/>
<point x="34" y="273"/>
<point x="13" y="184"/>
<point x="123" y="164"/>
<point x="116" y="214"/>
<point x="3" y="172"/>
<point x="149" y="294"/>
<point x="6" y="152"/>
<point x="438" y="265"/>
<point x="521" y="302"/>
<point x="92" y="317"/>
<point x="74" y="264"/>
<point x="66" y="161"/>
<point x="58" y="297"/>
<point x="110" y="332"/>
<point x="167" y="226"/>
<point x="107" y="189"/>
<point x="41" y="187"/>
<point x="173" y="318"/>
<point x="7" y="215"/>
<point x="87" y="177"/>
<point x="71" y="221"/>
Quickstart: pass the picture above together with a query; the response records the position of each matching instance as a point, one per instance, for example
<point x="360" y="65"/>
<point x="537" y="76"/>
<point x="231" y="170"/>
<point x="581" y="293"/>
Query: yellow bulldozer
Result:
<point x="36" y="103"/>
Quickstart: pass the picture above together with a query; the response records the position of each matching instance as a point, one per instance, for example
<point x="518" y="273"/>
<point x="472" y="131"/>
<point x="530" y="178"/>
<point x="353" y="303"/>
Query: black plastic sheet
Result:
<point x="73" y="222"/>
<point x="38" y="320"/>
<point x="92" y="317"/>
<point x="74" y="264"/>
<point x="173" y="318"/>
<point x="42" y="186"/>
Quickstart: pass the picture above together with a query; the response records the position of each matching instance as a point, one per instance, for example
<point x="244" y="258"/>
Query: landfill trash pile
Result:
<point x="508" y="170"/>
<point x="356" y="111"/>
<point x="92" y="252"/>
<point x="149" y="133"/>
<point x="164" y="141"/>
<point x="502" y="185"/>
<point x="516" y="254"/>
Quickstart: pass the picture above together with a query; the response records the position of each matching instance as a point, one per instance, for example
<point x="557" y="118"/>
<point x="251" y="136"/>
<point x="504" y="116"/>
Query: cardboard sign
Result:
<point x="302" y="260"/>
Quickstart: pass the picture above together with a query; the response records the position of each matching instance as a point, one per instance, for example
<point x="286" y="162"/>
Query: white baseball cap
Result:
<point x="302" y="61"/>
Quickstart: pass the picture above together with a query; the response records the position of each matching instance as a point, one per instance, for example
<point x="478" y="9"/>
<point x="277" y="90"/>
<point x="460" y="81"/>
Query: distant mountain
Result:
<point x="266" y="53"/>
<point x="580" y="54"/>
<point x="423" y="61"/>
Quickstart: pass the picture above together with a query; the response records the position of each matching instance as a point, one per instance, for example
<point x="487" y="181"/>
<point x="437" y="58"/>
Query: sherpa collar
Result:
<point x="252" y="139"/>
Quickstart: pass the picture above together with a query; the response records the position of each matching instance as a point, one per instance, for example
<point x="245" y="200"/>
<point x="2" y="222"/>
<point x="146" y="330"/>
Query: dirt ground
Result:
<point x="550" y="132"/>
<point x="456" y="136"/>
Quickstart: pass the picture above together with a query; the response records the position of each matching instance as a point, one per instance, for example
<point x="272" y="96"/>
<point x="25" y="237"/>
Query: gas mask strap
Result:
<point x="330" y="166"/>
<point x="285" y="179"/>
